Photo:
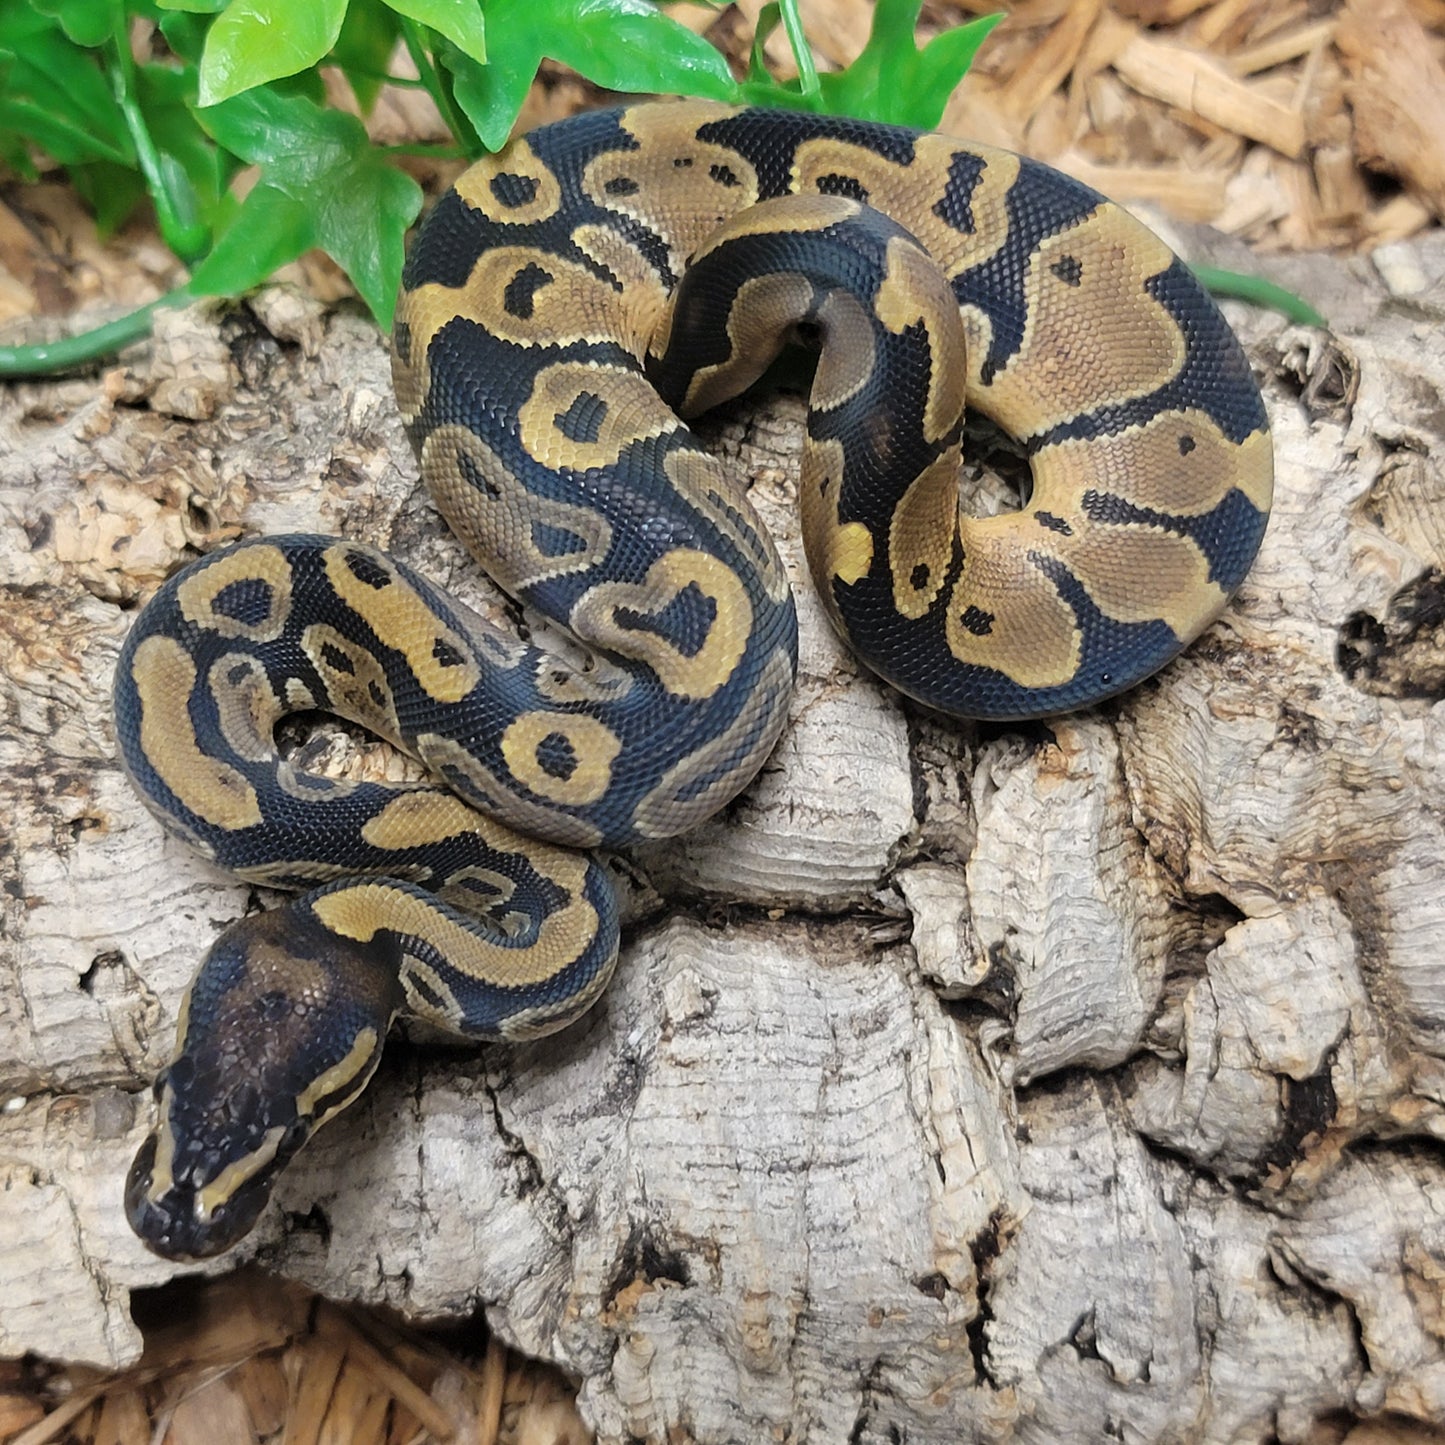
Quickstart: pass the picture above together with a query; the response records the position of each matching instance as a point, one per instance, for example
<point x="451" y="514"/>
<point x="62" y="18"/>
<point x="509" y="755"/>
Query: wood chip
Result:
<point x="1203" y="87"/>
<point x="1281" y="48"/>
<point x="1397" y="94"/>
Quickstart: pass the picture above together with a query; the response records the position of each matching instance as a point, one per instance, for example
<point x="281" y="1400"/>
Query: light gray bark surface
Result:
<point x="1072" y="1081"/>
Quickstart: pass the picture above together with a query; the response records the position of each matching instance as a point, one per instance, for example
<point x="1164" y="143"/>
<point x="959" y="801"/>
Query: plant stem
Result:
<point x="46" y="357"/>
<point x="1260" y="292"/>
<point x="451" y="113"/>
<point x="184" y="235"/>
<point x="793" y="24"/>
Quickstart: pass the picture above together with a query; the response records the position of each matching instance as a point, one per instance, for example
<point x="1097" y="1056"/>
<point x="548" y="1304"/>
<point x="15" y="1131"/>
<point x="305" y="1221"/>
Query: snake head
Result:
<point x="282" y="1028"/>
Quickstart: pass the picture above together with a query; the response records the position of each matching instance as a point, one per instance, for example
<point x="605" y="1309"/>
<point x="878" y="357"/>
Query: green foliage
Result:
<point x="236" y="84"/>
<point x="892" y="80"/>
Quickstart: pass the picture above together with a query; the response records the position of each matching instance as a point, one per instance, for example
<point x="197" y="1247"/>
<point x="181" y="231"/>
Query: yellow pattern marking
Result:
<point x="220" y="1190"/>
<point x="921" y="535"/>
<point x="499" y="518"/>
<point x="629" y="411"/>
<point x="678" y="186"/>
<point x="763" y="308"/>
<point x="900" y="191"/>
<point x="837" y="551"/>
<point x="262" y="564"/>
<point x="914" y="290"/>
<point x="593" y="747"/>
<point x="163" y="1168"/>
<point x="1178" y="462"/>
<point x="696" y="675"/>
<point x="370" y="908"/>
<point x="422" y="816"/>
<point x="205" y="786"/>
<point x="401" y="620"/>
<point x="360" y="1058"/>
<point x="849" y="352"/>
<point x="489" y="187"/>
<point x="1091" y="331"/>
<point x="359" y="690"/>
<point x="1021" y="626"/>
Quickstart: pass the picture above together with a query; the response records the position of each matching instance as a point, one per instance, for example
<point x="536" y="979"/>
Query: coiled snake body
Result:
<point x="563" y="304"/>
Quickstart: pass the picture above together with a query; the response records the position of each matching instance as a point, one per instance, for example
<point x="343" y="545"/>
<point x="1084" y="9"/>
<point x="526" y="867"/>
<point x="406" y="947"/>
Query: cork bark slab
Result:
<point x="1058" y="1082"/>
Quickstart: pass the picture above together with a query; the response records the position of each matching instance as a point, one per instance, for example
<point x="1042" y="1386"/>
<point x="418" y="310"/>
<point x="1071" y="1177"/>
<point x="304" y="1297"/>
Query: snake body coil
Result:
<point x="563" y="305"/>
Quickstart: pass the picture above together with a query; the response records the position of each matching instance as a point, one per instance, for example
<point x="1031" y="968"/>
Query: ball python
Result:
<point x="566" y="304"/>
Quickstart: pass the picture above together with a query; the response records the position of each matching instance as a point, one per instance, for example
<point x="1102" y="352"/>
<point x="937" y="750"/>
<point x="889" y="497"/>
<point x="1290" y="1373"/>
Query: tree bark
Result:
<point x="1075" y="1080"/>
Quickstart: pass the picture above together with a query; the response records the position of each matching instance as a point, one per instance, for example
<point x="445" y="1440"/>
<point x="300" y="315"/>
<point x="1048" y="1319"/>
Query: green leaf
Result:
<point x="893" y="81"/>
<point x="254" y="41"/>
<point x="166" y="95"/>
<point x="459" y="20"/>
<point x="56" y="95"/>
<point x="363" y="48"/>
<point x="768" y="18"/>
<point x="111" y="191"/>
<point x="798" y="41"/>
<point x="86" y="22"/>
<point x="185" y="34"/>
<point x="286" y="133"/>
<point x="270" y="229"/>
<point x="195" y="7"/>
<point x="359" y="205"/>
<point x="624" y="45"/>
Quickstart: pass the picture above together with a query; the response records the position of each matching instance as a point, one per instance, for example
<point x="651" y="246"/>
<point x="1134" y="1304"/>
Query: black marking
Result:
<point x="976" y="620"/>
<point x="1215" y="377"/>
<point x="1228" y="536"/>
<point x="1069" y="270"/>
<point x="955" y="206"/>
<point x="621" y="186"/>
<point x="682" y="163"/>
<point x="1114" y="511"/>
<point x="835" y="185"/>
<point x="1054" y="524"/>
<point x="557" y="541"/>
<point x="724" y="175"/>
<point x="238" y="674"/>
<point x="401" y="342"/>
<point x="582" y="421"/>
<point x="556" y="756"/>
<point x="378" y="696"/>
<point x="918" y="578"/>
<point x="418" y="981"/>
<point x="336" y="659"/>
<point x="1040" y="203"/>
<point x="1186" y="445"/>
<point x="368" y="570"/>
<point x="473" y="472"/>
<point x="521" y="290"/>
<point x="445" y="654"/>
<point x="683" y="624"/>
<point x="512" y="190"/>
<point x="446" y="246"/>
<point x="247" y="600"/>
<point x="768" y="140"/>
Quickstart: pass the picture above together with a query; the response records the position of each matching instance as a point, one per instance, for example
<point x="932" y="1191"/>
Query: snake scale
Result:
<point x="562" y="307"/>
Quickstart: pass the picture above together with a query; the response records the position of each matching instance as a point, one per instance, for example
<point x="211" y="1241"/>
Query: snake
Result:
<point x="566" y="307"/>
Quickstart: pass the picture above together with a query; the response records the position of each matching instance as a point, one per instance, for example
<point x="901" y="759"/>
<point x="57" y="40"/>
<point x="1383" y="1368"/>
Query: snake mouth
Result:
<point x="182" y="1221"/>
